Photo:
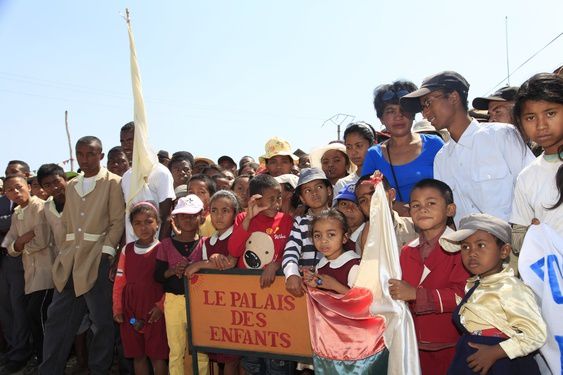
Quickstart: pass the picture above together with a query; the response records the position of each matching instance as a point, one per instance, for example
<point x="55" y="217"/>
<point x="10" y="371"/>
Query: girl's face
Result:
<point x="481" y="254"/>
<point x="199" y="188"/>
<point x="181" y="172"/>
<point x="543" y="123"/>
<point x="356" y="148"/>
<point x="315" y="194"/>
<point x="241" y="191"/>
<point x="334" y="165"/>
<point x="145" y="226"/>
<point x="222" y="214"/>
<point x="428" y="208"/>
<point x="397" y="122"/>
<point x="278" y="165"/>
<point x="354" y="216"/>
<point x="187" y="222"/>
<point x="329" y="237"/>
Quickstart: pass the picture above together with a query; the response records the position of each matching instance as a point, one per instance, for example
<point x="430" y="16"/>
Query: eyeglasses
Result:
<point x="391" y="94"/>
<point x="428" y="102"/>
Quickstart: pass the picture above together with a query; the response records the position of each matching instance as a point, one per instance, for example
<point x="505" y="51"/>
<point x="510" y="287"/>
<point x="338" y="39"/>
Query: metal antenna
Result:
<point x="339" y="119"/>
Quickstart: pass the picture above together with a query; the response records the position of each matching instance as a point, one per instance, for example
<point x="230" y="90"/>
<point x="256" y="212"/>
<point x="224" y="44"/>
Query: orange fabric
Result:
<point x="118" y="285"/>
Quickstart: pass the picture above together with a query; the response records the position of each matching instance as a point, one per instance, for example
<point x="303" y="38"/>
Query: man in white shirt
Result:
<point x="159" y="187"/>
<point x="481" y="161"/>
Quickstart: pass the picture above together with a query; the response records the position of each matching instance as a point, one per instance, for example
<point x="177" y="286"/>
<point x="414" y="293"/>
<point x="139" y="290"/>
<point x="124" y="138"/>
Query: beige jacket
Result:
<point x="55" y="223"/>
<point x="38" y="254"/>
<point x="93" y="224"/>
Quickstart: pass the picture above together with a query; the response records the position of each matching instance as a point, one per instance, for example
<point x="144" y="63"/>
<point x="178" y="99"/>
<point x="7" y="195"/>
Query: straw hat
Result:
<point x="276" y="146"/>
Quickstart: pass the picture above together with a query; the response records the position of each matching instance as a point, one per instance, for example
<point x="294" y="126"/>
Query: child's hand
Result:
<point x="253" y="206"/>
<point x="268" y="275"/>
<point x="401" y="290"/>
<point x="175" y="229"/>
<point x="180" y="268"/>
<point x="23" y="240"/>
<point x="118" y="318"/>
<point x="293" y="285"/>
<point x="191" y="270"/>
<point x="155" y="314"/>
<point x="220" y="261"/>
<point x="485" y="357"/>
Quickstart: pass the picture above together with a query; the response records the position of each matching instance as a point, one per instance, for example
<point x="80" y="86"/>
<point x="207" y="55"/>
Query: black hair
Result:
<point x="116" y="150"/>
<point x="331" y="214"/>
<point x="363" y="129"/>
<point x="13" y="176"/>
<point x="287" y="156"/>
<point x="386" y="184"/>
<point x="148" y="207"/>
<point x="229" y="195"/>
<point x="444" y="190"/>
<point x="179" y="157"/>
<point x="547" y="87"/>
<point x="130" y="126"/>
<point x="260" y="183"/>
<point x="22" y="163"/>
<point x="251" y="164"/>
<point x="47" y="170"/>
<point x="462" y="96"/>
<point x="90" y="140"/>
<point x="379" y="104"/>
<point x="212" y="167"/>
<point x="185" y="155"/>
<point x="208" y="181"/>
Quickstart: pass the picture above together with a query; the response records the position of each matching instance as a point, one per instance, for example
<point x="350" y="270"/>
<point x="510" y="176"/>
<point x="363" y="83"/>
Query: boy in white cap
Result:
<point x="499" y="317"/>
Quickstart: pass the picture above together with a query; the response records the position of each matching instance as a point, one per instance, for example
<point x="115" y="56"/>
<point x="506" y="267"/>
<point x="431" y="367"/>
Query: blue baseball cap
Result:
<point x="347" y="193"/>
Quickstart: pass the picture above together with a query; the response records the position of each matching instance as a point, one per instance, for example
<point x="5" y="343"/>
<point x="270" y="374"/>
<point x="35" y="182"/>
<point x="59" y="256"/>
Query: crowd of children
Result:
<point x="97" y="261"/>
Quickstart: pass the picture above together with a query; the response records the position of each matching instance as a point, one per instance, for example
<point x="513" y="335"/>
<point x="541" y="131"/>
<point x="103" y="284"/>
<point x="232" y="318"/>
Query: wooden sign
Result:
<point x="231" y="313"/>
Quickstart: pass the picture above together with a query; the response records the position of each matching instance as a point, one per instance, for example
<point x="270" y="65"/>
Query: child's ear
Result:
<point x="344" y="238"/>
<point x="505" y="251"/>
<point x="451" y="210"/>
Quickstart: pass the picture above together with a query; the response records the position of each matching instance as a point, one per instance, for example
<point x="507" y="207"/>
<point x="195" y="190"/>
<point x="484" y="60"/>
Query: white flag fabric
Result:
<point x="380" y="262"/>
<point x="540" y="265"/>
<point x="144" y="159"/>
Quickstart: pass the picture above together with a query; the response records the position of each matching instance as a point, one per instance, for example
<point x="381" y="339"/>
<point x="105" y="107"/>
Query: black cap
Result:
<point x="163" y="154"/>
<point x="444" y="80"/>
<point x="506" y="94"/>
<point x="226" y="158"/>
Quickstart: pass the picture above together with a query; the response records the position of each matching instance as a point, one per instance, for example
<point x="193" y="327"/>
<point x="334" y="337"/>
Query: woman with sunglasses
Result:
<point x="406" y="157"/>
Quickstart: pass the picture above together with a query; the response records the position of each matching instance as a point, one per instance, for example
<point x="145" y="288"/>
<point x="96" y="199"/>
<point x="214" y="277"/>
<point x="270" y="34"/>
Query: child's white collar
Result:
<point x="213" y="239"/>
<point x="344" y="258"/>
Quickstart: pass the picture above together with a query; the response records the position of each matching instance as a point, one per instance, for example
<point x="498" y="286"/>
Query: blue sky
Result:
<point x="221" y="77"/>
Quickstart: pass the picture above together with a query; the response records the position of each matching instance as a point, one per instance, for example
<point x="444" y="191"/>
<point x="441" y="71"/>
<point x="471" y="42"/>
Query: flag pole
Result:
<point x="69" y="142"/>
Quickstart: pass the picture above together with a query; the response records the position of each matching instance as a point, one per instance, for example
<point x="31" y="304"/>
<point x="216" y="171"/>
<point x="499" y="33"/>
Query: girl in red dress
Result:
<point x="138" y="298"/>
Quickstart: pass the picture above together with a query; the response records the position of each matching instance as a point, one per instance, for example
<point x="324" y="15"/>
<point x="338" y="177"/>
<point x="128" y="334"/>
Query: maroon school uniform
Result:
<point x="340" y="267"/>
<point x="213" y="245"/>
<point x="140" y="294"/>
<point x="439" y="277"/>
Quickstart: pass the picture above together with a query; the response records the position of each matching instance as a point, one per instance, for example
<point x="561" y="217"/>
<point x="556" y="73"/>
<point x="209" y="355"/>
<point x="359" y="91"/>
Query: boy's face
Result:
<point x="17" y="190"/>
<point x="54" y="186"/>
<point x="350" y="210"/>
<point x="181" y="172"/>
<point x="543" y="123"/>
<point x="364" y="192"/>
<point x="428" y="208"/>
<point x="89" y="157"/>
<point x="315" y="194"/>
<point x="199" y="188"/>
<point x="271" y="198"/>
<point x="437" y="108"/>
<point x="126" y="139"/>
<point x="278" y="165"/>
<point x="118" y="163"/>
<point x="241" y="191"/>
<point x="37" y="190"/>
<point x="334" y="165"/>
<point x="481" y="255"/>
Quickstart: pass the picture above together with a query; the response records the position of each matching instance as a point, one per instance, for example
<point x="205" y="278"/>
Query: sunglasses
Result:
<point x="391" y="94"/>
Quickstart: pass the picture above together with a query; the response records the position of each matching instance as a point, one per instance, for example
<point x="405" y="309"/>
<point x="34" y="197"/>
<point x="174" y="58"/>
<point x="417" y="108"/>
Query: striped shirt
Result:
<point x="299" y="250"/>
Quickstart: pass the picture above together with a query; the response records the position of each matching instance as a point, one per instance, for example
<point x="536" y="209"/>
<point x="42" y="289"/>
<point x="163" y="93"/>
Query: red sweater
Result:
<point x="263" y="242"/>
<point x="436" y="295"/>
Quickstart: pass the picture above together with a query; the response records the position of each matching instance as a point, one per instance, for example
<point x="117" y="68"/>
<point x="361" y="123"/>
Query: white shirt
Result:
<point x="481" y="168"/>
<point x="535" y="192"/>
<point x="159" y="187"/>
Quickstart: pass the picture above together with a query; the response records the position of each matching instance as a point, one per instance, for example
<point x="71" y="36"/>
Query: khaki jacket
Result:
<point x="93" y="224"/>
<point x="38" y="254"/>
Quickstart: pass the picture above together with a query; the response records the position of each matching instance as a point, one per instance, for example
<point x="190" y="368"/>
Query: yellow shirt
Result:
<point x="206" y="229"/>
<point x="504" y="302"/>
